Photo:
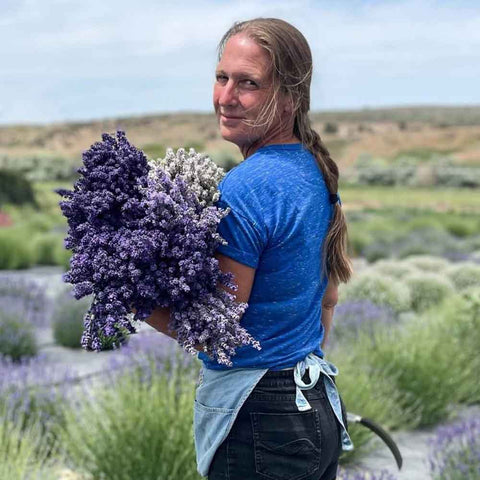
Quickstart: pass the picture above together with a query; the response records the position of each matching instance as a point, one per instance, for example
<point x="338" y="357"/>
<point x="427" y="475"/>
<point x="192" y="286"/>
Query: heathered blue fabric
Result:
<point x="280" y="213"/>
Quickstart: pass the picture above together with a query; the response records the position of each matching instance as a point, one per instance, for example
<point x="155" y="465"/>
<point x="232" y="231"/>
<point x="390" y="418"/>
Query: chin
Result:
<point x="230" y="136"/>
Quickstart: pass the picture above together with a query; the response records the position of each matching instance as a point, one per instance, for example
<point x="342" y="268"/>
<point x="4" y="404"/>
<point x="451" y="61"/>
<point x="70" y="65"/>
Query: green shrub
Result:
<point x="379" y="289"/>
<point x="17" y="337"/>
<point x="422" y="222"/>
<point x="15" y="189"/>
<point x="417" y="356"/>
<point x="427" y="263"/>
<point x="377" y="250"/>
<point x="154" y="150"/>
<point x="427" y="289"/>
<point x="195" y="144"/>
<point x="464" y="275"/>
<point x="330" y="127"/>
<point x="67" y="319"/>
<point x="457" y="176"/>
<point x="432" y="360"/>
<point x="358" y="241"/>
<point x="225" y="159"/>
<point x="62" y="257"/>
<point x="372" y="393"/>
<point x="39" y="222"/>
<point x="15" y="249"/>
<point x="134" y="429"/>
<point x="472" y="243"/>
<point x="67" y="323"/>
<point x="462" y="227"/>
<point x="41" y="167"/>
<point x="462" y="320"/>
<point x="45" y="246"/>
<point x="393" y="268"/>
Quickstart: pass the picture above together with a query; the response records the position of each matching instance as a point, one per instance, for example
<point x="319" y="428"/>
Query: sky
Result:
<point x="64" y="60"/>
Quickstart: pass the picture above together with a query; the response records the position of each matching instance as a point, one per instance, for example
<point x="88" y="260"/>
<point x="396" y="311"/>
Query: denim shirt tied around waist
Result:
<point x="220" y="395"/>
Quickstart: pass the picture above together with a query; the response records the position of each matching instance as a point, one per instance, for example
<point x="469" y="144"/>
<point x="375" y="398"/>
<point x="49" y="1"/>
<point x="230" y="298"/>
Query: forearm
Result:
<point x="327" y="318"/>
<point x="159" y="320"/>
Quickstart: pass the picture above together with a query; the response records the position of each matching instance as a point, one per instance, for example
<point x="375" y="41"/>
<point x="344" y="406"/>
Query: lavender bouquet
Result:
<point x="143" y="234"/>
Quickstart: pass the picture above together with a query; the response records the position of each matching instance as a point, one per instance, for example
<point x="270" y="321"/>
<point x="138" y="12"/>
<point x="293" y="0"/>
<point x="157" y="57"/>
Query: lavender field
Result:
<point x="405" y="338"/>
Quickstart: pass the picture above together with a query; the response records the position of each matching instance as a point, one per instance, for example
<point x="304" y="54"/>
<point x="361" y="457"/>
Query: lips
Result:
<point x="230" y="117"/>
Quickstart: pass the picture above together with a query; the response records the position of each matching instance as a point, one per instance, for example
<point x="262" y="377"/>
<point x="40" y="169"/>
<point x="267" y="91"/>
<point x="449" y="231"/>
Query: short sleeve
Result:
<point x="244" y="236"/>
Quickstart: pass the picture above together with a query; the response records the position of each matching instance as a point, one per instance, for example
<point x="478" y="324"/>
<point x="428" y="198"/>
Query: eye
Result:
<point x="221" y="78"/>
<point x="249" y="83"/>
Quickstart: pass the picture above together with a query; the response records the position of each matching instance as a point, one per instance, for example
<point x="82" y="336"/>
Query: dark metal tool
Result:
<point x="378" y="430"/>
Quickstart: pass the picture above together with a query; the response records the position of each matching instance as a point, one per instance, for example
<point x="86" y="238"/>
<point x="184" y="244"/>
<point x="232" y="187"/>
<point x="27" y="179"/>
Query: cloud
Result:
<point x="65" y="52"/>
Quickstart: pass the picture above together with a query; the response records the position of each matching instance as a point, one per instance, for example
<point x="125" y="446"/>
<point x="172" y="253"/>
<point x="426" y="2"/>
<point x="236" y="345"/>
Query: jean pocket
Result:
<point x="287" y="446"/>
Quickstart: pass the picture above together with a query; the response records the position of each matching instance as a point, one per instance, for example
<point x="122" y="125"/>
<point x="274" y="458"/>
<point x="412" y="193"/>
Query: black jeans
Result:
<point x="272" y="440"/>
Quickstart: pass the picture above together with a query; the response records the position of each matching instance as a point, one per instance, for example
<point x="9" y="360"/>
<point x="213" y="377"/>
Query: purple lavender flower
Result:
<point x="25" y="299"/>
<point x="146" y="241"/>
<point x="361" y="474"/>
<point x="34" y="390"/>
<point x="149" y="354"/>
<point x="353" y="317"/>
<point x="455" y="451"/>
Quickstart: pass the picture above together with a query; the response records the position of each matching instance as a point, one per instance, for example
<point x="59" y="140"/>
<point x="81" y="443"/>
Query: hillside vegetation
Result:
<point x="387" y="133"/>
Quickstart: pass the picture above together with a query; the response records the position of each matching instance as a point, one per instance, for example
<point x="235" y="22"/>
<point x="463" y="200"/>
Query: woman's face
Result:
<point x="241" y="88"/>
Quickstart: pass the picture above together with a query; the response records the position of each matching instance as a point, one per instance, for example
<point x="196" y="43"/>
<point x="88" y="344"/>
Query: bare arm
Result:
<point x="243" y="277"/>
<point x="329" y="301"/>
<point x="159" y="320"/>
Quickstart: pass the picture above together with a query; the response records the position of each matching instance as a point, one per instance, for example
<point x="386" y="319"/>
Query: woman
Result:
<point x="276" y="413"/>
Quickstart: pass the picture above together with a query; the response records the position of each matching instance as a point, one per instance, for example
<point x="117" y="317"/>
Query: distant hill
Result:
<point x="435" y="115"/>
<point x="387" y="132"/>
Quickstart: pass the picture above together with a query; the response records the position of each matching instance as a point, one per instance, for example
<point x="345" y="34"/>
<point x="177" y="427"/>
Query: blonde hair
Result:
<point x="291" y="73"/>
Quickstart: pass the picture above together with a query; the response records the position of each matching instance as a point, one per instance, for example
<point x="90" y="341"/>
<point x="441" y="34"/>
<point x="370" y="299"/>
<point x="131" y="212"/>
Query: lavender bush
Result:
<point x="32" y="392"/>
<point x="23" y="452"/>
<point x="381" y="289"/>
<point x="150" y="354"/>
<point x="355" y="316"/>
<point x="427" y="289"/>
<point x="143" y="234"/>
<point x="24" y="298"/>
<point x="393" y="268"/>
<point x="134" y="429"/>
<point x="455" y="451"/>
<point x="427" y="263"/>
<point x="17" y="338"/>
<point x="348" y="474"/>
<point x="67" y="319"/>
<point x="464" y="275"/>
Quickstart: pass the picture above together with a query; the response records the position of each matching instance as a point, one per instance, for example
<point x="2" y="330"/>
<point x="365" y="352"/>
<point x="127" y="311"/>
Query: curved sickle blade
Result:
<point x="378" y="430"/>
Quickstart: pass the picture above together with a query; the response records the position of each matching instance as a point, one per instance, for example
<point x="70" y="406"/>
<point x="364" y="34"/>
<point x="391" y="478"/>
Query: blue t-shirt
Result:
<point x="280" y="214"/>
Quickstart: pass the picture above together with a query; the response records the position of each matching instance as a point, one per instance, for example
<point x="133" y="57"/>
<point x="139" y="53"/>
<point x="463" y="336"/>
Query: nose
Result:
<point x="228" y="94"/>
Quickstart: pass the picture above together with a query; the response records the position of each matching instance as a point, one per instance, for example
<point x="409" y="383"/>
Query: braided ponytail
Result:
<point x="335" y="258"/>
